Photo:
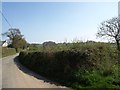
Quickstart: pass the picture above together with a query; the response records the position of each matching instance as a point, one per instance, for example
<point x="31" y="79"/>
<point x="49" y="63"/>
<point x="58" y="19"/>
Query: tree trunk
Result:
<point x="118" y="45"/>
<point x="118" y="48"/>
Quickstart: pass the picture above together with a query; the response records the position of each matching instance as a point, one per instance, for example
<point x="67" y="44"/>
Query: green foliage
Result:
<point x="8" y="51"/>
<point x="78" y="65"/>
<point x="16" y="39"/>
<point x="19" y="43"/>
<point x="94" y="79"/>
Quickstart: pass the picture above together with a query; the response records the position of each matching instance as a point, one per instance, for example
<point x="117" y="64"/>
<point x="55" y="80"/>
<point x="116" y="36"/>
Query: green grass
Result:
<point x="7" y="51"/>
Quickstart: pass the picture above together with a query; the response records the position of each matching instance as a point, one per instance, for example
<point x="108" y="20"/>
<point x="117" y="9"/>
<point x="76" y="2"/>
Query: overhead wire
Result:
<point x="6" y="19"/>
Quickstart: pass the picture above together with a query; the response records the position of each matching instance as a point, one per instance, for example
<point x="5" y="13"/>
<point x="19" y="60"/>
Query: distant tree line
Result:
<point x="49" y="43"/>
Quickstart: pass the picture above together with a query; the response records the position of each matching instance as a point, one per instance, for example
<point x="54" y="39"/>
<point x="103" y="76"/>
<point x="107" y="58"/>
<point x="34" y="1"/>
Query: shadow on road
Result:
<point x="31" y="73"/>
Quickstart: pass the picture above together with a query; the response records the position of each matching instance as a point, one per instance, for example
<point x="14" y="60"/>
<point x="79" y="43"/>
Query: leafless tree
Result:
<point x="110" y="28"/>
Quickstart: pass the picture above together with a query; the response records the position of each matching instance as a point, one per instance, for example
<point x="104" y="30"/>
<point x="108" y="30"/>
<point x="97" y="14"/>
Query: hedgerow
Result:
<point x="7" y="51"/>
<point x="86" y="65"/>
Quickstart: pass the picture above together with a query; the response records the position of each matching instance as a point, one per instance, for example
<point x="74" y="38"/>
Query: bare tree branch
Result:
<point x="110" y="28"/>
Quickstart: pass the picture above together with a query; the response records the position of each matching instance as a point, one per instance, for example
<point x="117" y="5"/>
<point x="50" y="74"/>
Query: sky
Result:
<point x="57" y="21"/>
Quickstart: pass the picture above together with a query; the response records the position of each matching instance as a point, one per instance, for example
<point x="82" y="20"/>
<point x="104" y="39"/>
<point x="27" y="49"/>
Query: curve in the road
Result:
<point x="14" y="75"/>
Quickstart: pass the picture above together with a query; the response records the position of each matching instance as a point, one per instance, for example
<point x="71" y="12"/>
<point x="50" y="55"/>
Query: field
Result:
<point x="76" y="65"/>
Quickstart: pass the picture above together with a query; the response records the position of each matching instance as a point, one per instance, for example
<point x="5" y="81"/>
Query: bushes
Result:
<point x="91" y="65"/>
<point x="7" y="51"/>
<point x="93" y="79"/>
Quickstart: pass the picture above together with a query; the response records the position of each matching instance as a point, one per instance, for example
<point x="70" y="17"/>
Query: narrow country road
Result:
<point x="16" y="76"/>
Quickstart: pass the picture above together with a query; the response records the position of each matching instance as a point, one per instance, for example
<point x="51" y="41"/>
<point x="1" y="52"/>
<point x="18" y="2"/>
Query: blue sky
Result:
<point x="50" y="21"/>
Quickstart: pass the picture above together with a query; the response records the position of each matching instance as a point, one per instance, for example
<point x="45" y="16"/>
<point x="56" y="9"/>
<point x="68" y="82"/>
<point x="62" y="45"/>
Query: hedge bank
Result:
<point x="8" y="51"/>
<point x="76" y="67"/>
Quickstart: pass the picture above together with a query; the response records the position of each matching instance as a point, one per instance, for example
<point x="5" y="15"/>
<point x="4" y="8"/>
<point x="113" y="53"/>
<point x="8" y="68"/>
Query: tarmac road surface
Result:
<point x="14" y="75"/>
